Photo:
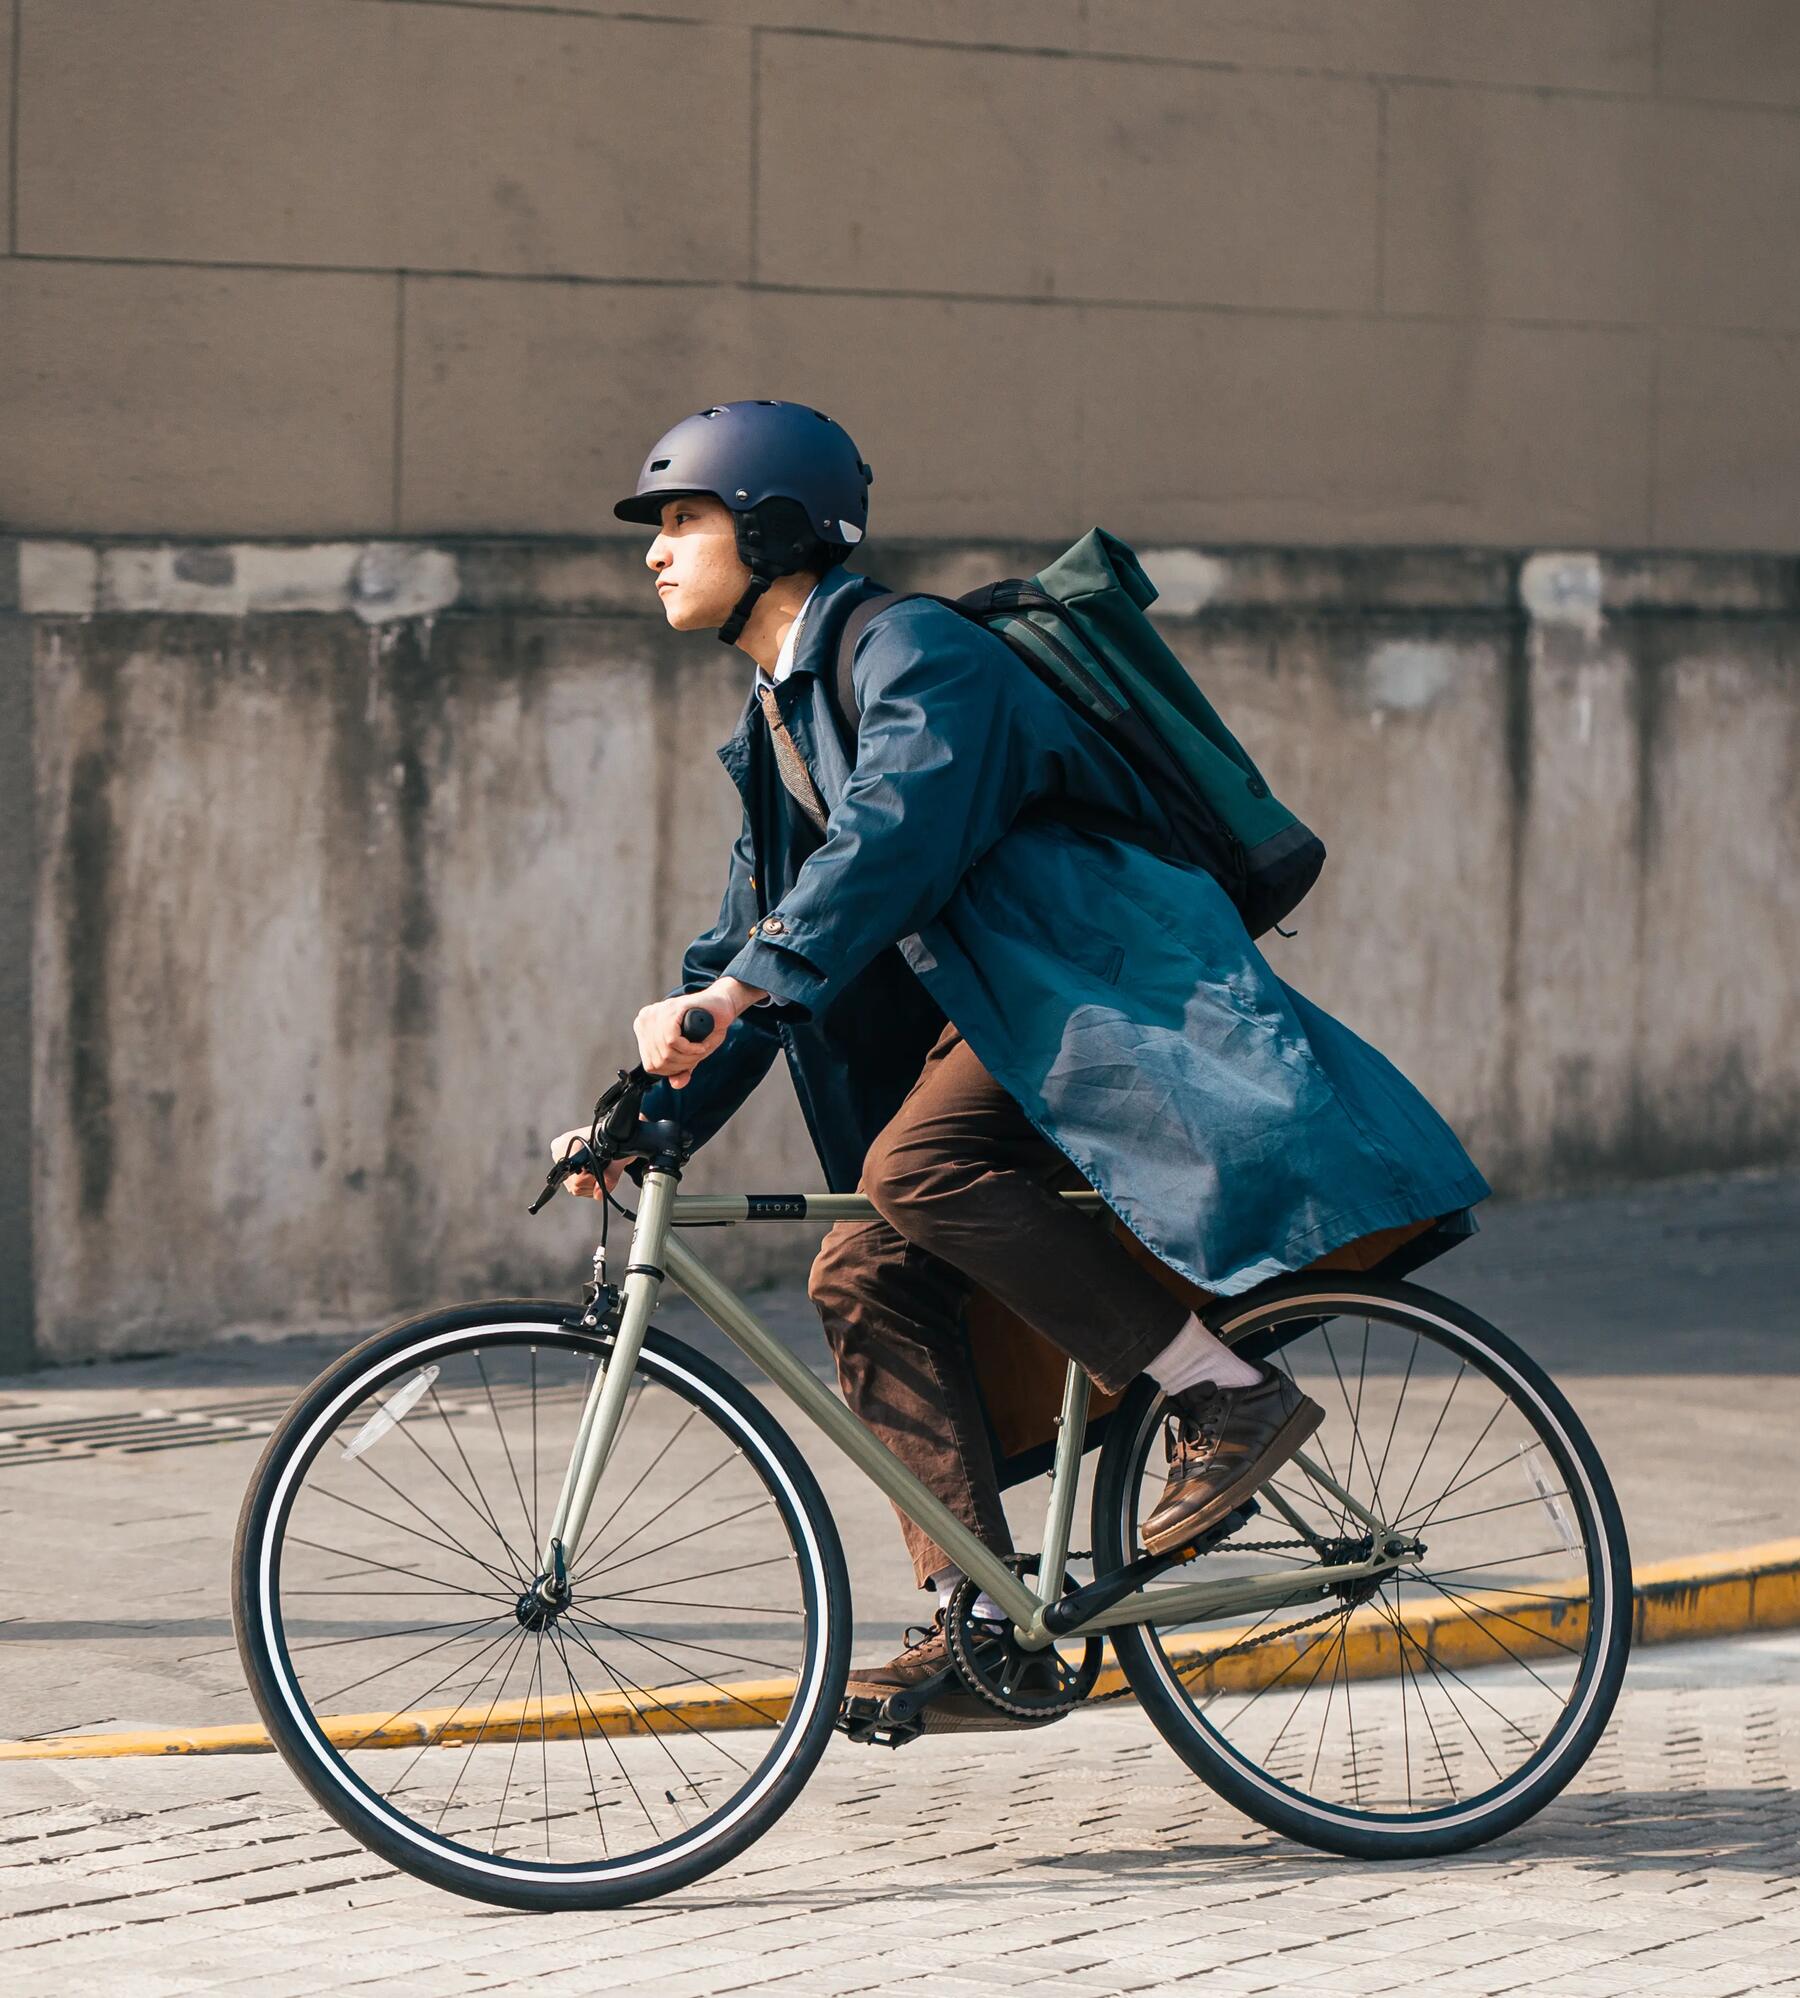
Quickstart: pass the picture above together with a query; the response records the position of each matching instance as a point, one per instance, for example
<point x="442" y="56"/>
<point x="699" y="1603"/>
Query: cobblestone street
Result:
<point x="1083" y="1858"/>
<point x="1080" y="1860"/>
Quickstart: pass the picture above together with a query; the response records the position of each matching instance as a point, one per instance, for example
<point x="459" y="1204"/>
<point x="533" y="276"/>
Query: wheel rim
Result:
<point x="561" y="1752"/>
<point x="1453" y="1686"/>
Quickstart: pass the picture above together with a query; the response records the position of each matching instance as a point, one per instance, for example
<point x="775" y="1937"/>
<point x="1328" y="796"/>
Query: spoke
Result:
<point x="610" y="1557"/>
<point x="1323" y="1647"/>
<point x="583" y="1712"/>
<point x="681" y="1602"/>
<point x="483" y="1660"/>
<point x="1450" y="1519"/>
<point x="633" y="1396"/>
<point x="382" y="1671"/>
<point x="1400" y="1402"/>
<point x="674" y="1713"/>
<point x="512" y="1760"/>
<point x="643" y="1554"/>
<point x="613" y="1746"/>
<point x="387" y="1567"/>
<point x="1476" y="1615"/>
<point x="1509" y="1561"/>
<point x="1462" y="1367"/>
<point x="688" y="1672"/>
<point x="399" y="1526"/>
<point x="480" y="1512"/>
<point x="480" y="1734"/>
<point x="500" y="1431"/>
<point x="1499" y="1464"/>
<point x="1326" y="1647"/>
<point x="1343" y="1652"/>
<point x="543" y="1739"/>
<point x="384" y="1595"/>
<point x="430" y="1519"/>
<point x="1443" y="1760"/>
<point x="377" y="1636"/>
<point x="1500" y="1408"/>
<point x="535" y="1542"/>
<point x="1474" y="1693"/>
<point x="1354" y="1413"/>
<point x="681" y="1775"/>
<point x="493" y="1518"/>
<point x="1405" y="1672"/>
<point x="1350" y="1723"/>
<point x="688" y="1644"/>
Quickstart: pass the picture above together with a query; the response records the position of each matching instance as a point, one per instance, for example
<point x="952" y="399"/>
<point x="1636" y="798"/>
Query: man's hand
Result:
<point x="584" y="1184"/>
<point x="662" y="1047"/>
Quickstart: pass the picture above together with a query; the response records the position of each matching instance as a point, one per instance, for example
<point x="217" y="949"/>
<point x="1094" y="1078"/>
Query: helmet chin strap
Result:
<point x="754" y="552"/>
<point x="733" y="626"/>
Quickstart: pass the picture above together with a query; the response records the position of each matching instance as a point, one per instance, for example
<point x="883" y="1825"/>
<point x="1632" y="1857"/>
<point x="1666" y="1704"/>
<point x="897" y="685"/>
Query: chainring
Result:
<point x="995" y="1667"/>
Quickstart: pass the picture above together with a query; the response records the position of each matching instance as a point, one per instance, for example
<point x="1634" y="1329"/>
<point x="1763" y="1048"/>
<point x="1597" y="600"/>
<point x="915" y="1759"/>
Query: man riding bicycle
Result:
<point x="982" y="1005"/>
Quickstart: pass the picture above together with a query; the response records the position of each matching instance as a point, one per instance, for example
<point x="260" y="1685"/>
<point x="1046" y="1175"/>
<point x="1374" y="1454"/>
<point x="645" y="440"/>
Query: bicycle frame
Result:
<point x="656" y="1256"/>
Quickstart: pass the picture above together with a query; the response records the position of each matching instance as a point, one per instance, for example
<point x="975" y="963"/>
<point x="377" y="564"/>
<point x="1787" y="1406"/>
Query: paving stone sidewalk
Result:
<point x="1083" y="1859"/>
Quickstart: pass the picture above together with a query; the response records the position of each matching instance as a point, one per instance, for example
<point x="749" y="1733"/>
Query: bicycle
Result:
<point x="448" y="1533"/>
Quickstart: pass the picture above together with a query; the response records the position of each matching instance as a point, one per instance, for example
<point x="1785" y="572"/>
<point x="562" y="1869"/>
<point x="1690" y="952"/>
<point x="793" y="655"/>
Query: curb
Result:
<point x="1715" y="1595"/>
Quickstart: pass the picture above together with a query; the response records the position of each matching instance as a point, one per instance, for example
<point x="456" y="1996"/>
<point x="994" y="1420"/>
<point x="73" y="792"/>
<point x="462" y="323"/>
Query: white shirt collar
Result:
<point x="784" y="659"/>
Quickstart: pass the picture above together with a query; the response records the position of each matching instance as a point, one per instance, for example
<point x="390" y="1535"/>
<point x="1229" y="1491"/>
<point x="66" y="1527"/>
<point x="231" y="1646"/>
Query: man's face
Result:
<point x="699" y="574"/>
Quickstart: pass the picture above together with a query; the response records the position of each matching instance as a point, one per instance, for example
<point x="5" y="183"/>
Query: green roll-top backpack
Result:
<point x="1079" y="624"/>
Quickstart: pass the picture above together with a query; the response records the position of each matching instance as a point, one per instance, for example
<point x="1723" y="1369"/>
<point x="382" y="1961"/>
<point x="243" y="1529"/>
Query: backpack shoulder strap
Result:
<point x="974" y="606"/>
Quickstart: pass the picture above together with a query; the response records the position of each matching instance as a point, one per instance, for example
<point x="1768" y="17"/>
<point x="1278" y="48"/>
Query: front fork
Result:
<point x="604" y="1412"/>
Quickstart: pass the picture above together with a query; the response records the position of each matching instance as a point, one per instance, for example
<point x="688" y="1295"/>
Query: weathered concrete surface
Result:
<point x="1381" y="270"/>
<point x="352" y="866"/>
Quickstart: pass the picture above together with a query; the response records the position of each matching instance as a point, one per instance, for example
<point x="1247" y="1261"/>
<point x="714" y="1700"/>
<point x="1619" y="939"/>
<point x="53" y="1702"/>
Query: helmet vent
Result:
<point x="660" y="464"/>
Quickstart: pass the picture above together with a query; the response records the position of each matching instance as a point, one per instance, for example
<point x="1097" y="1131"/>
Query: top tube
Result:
<point x="701" y="1209"/>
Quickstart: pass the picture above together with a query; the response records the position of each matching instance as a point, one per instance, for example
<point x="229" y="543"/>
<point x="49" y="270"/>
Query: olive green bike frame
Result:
<point x="657" y="1255"/>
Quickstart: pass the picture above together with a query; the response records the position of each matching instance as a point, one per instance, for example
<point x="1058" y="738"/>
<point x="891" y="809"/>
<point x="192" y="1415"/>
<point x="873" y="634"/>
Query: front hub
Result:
<point x="547" y="1598"/>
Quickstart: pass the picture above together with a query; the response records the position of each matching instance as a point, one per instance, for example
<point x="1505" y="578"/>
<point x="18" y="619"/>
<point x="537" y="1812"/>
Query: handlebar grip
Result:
<point x="696" y="1024"/>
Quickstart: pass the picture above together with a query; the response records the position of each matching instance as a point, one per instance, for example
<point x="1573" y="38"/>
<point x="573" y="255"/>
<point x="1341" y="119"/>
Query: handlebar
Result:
<point x="616" y="1117"/>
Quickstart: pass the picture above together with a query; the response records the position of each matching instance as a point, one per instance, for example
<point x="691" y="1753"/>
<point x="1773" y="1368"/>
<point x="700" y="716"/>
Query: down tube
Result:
<point x="878" y="1464"/>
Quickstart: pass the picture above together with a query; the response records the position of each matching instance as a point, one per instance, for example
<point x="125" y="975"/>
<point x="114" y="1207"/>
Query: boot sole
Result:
<point x="1282" y="1445"/>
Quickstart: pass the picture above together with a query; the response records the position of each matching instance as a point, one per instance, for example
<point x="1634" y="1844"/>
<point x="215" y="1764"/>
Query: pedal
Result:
<point x="900" y="1718"/>
<point x="1234" y="1522"/>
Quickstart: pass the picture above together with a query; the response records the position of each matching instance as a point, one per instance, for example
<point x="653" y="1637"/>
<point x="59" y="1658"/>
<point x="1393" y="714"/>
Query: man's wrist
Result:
<point x="742" y="996"/>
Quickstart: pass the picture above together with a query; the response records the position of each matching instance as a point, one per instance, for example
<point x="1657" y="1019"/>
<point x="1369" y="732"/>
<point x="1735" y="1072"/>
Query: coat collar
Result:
<point x="837" y="595"/>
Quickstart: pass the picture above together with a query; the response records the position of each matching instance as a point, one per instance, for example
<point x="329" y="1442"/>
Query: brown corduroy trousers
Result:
<point x="966" y="1189"/>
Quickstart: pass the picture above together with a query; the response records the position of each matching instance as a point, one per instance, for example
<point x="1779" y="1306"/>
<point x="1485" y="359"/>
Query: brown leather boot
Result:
<point x="1223" y="1443"/>
<point x="927" y="1657"/>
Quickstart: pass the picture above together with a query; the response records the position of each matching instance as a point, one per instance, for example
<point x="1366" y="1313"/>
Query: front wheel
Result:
<point x="1445" y="1703"/>
<point x="624" y="1742"/>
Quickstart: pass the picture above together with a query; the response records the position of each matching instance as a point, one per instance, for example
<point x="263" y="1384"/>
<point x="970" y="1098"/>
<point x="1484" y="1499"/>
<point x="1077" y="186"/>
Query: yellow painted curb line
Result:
<point x="1715" y="1595"/>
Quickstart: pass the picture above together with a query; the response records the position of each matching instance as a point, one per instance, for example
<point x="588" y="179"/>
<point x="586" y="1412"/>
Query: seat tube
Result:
<point x="605" y="1408"/>
<point x="1071" y="1435"/>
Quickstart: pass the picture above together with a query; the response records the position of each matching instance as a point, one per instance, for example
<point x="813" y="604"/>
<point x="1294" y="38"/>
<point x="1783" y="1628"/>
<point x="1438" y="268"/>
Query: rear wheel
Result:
<point x="1445" y="1703"/>
<point x="625" y="1741"/>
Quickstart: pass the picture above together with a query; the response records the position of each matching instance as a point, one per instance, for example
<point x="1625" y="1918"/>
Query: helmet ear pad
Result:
<point x="775" y="538"/>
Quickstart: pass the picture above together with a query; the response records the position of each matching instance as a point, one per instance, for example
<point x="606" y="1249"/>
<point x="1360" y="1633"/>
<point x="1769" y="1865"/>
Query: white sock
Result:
<point x="1195" y="1355"/>
<point x="945" y="1581"/>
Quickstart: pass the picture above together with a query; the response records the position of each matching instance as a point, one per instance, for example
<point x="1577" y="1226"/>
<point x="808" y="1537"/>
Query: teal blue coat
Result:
<point x="1237" y="1129"/>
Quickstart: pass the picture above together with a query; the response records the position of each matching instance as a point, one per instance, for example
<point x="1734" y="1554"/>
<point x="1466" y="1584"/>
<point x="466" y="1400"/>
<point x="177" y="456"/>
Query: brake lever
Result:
<point x="617" y="1110"/>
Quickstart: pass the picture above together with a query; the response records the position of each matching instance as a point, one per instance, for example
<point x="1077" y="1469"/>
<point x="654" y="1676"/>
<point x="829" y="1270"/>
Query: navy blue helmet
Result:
<point x="747" y="453"/>
<point x="796" y="486"/>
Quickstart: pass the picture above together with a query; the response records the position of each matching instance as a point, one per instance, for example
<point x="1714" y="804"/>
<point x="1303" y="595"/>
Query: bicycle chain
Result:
<point x="1244" y="1643"/>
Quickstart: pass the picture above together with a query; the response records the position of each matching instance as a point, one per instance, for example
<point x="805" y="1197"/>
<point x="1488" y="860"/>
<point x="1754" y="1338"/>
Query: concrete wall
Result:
<point x="1475" y="272"/>
<point x="346" y="866"/>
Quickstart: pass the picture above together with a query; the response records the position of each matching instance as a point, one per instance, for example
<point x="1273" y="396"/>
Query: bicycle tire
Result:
<point x="510" y="1881"/>
<point x="1255" y="1326"/>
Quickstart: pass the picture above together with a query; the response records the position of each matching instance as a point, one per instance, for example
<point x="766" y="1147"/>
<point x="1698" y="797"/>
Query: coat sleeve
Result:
<point x="718" y="1088"/>
<point x="943" y="766"/>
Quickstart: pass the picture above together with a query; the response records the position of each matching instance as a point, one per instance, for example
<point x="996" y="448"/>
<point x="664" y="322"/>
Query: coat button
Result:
<point x="773" y="926"/>
<point x="1256" y="787"/>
